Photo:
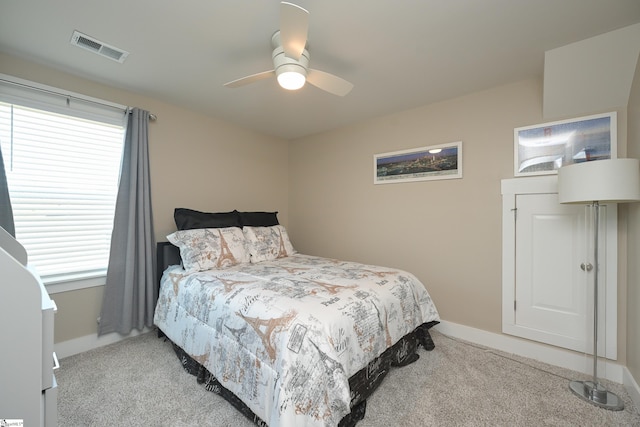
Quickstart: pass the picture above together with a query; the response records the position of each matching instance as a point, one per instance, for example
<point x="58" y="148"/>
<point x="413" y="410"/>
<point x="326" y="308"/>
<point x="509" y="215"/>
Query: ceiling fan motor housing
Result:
<point x="282" y="63"/>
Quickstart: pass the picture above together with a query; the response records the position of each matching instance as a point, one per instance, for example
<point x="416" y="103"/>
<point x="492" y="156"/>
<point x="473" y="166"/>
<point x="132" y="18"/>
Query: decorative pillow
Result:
<point x="268" y="243"/>
<point x="188" y="219"/>
<point x="208" y="248"/>
<point x="258" y="219"/>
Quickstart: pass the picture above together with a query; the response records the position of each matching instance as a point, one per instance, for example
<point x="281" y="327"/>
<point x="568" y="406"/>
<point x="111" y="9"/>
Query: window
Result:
<point x="62" y="172"/>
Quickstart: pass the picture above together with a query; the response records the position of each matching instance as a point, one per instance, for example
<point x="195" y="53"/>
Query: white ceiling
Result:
<point x="399" y="54"/>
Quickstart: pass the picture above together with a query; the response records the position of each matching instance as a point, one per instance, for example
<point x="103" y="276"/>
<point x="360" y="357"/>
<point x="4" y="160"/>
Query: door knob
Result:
<point x="586" y="267"/>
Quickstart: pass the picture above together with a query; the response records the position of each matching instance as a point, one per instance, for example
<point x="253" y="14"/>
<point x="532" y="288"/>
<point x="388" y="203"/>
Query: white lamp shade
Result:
<point x="606" y="181"/>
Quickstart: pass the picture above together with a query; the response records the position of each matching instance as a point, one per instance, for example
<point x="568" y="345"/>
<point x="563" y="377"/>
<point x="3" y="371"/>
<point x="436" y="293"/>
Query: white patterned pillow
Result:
<point x="268" y="243"/>
<point x="208" y="248"/>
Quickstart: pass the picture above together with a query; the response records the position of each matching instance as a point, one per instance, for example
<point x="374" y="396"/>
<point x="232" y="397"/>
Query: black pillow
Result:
<point x="188" y="219"/>
<point x="258" y="219"/>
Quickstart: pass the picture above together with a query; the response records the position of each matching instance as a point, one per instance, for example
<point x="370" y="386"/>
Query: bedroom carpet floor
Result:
<point x="139" y="382"/>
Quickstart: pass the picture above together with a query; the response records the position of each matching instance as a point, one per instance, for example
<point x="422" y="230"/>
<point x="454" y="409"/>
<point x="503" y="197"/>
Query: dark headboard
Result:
<point x="167" y="254"/>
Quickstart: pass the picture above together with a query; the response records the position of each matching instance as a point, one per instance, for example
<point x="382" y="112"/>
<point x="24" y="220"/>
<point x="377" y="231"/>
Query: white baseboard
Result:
<point x="544" y="353"/>
<point x="89" y="342"/>
<point x="632" y="386"/>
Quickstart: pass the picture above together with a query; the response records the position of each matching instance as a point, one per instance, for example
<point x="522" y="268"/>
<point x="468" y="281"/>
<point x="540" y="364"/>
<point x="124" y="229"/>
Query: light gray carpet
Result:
<point x="139" y="382"/>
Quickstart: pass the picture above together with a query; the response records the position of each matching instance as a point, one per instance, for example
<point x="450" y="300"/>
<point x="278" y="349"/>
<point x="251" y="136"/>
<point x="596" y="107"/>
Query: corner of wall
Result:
<point x="591" y="75"/>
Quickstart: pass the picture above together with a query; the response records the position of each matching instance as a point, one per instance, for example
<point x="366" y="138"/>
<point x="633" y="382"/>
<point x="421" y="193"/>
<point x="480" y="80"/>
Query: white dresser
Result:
<point x="28" y="389"/>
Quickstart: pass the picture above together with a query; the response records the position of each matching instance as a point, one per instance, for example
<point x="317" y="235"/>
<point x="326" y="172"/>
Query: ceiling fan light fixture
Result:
<point x="291" y="77"/>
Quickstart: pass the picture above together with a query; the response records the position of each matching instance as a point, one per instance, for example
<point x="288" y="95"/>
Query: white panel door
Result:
<point x="550" y="294"/>
<point x="546" y="295"/>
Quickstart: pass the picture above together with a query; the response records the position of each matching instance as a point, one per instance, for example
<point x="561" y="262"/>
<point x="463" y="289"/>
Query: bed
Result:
<point x="288" y="339"/>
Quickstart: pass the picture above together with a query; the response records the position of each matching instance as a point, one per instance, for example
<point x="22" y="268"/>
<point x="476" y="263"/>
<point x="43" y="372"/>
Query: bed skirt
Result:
<point x="362" y="384"/>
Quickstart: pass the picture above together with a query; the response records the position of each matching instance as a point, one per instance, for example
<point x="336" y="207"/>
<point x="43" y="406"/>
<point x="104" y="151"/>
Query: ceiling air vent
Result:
<point x="86" y="42"/>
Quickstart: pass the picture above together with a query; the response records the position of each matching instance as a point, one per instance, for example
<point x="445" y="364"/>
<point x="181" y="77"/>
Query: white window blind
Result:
<point x="62" y="172"/>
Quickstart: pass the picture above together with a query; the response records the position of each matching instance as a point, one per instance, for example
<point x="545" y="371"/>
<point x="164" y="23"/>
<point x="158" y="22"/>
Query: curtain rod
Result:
<point x="78" y="97"/>
<point x="152" y="116"/>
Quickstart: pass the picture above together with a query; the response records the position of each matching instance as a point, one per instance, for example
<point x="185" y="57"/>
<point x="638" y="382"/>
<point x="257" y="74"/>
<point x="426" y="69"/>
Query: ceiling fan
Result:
<point x="291" y="59"/>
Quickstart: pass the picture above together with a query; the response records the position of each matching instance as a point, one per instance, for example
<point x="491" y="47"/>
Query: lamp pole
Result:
<point x="592" y="391"/>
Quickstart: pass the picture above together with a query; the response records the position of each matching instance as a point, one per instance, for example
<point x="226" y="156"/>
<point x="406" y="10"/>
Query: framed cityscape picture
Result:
<point x="419" y="164"/>
<point x="543" y="149"/>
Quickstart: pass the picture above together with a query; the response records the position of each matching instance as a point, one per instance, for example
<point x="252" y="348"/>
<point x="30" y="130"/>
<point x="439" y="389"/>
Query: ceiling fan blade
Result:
<point x="250" y="79"/>
<point x="329" y="82"/>
<point x="294" y="26"/>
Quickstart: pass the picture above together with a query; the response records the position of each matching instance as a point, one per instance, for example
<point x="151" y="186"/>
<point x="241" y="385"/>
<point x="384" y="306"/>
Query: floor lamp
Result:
<point x="592" y="183"/>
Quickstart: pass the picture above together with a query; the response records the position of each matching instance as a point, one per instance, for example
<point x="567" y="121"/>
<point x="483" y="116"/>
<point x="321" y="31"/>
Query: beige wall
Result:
<point x="447" y="232"/>
<point x="633" y="293"/>
<point x="196" y="162"/>
<point x="77" y="314"/>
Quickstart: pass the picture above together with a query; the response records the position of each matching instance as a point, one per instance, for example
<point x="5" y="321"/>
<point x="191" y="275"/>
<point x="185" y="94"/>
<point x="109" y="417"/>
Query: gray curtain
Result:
<point x="6" y="213"/>
<point x="130" y="292"/>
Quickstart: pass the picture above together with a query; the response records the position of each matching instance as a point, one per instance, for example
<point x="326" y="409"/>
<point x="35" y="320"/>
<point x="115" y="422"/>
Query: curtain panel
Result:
<point x="130" y="291"/>
<point x="6" y="212"/>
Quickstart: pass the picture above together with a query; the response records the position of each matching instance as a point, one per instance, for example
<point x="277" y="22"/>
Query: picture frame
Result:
<point x="542" y="149"/>
<point x="434" y="162"/>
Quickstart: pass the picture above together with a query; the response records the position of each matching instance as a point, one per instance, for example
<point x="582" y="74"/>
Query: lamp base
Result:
<point x="597" y="395"/>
